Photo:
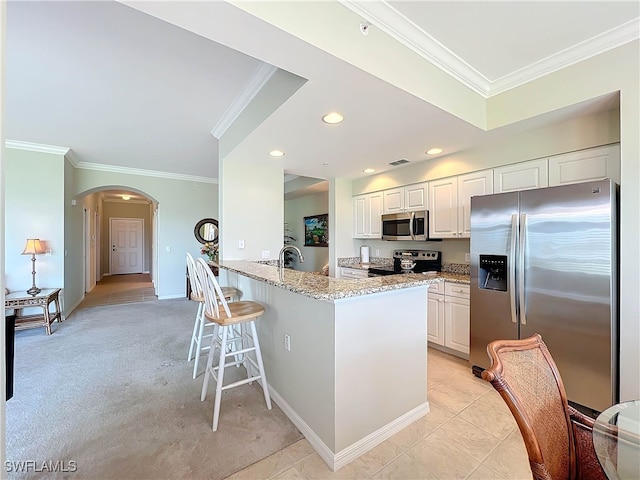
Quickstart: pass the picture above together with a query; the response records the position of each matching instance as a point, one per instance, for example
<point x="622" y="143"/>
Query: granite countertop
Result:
<point x="363" y="266"/>
<point x="326" y="288"/>
<point x="451" y="272"/>
<point x="456" y="277"/>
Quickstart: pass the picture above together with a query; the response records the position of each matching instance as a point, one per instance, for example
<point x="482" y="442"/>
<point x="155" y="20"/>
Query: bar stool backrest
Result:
<point x="213" y="297"/>
<point x="194" y="280"/>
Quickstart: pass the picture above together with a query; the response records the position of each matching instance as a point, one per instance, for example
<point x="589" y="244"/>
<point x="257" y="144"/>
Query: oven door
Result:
<point x="405" y="226"/>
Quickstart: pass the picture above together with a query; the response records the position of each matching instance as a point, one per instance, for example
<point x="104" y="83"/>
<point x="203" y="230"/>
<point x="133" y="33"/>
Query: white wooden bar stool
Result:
<point x="245" y="339"/>
<point x="200" y="341"/>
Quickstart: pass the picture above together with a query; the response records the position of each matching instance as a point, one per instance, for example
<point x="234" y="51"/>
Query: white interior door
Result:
<point x="126" y="235"/>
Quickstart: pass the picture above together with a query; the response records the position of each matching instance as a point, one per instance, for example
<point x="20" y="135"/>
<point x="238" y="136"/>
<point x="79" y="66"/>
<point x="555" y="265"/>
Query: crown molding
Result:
<point x="145" y="173"/>
<point x="399" y="27"/>
<point x="613" y="38"/>
<point x="36" y="147"/>
<point x="72" y="157"/>
<point x="396" y="25"/>
<point x="260" y="77"/>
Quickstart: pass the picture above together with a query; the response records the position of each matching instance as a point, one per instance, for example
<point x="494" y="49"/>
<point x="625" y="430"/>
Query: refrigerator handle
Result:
<point x="512" y="268"/>
<point x="521" y="255"/>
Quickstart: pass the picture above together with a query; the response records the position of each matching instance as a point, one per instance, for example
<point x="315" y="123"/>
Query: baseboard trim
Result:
<point x="170" y="297"/>
<point x="314" y="440"/>
<point x="355" y="450"/>
<point x="69" y="311"/>
<point x="336" y="461"/>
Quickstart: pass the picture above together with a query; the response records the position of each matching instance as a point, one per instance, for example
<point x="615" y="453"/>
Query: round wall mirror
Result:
<point x="206" y="230"/>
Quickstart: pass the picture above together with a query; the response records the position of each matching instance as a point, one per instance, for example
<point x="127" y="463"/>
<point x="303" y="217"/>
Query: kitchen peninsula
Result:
<point x="355" y="371"/>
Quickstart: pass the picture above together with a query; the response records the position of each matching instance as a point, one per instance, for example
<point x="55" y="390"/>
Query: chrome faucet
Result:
<point x="281" y="259"/>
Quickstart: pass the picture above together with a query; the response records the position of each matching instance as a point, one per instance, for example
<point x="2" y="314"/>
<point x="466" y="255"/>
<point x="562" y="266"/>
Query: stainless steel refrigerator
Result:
<point x="545" y="261"/>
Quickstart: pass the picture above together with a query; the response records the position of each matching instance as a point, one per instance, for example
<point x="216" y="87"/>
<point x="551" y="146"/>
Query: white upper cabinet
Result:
<point x="416" y="197"/>
<point x="375" y="215"/>
<point x="470" y="185"/>
<point x="443" y="214"/>
<point x="406" y="199"/>
<point x="367" y="215"/>
<point x="393" y="200"/>
<point x="585" y="165"/>
<point x="450" y="201"/>
<point x="521" y="176"/>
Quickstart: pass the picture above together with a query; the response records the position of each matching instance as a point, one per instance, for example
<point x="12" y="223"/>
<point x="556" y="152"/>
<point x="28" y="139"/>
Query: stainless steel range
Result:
<point x="419" y="261"/>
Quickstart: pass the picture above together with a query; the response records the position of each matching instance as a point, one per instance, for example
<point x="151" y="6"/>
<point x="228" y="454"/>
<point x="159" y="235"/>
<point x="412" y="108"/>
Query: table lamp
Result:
<point x="33" y="247"/>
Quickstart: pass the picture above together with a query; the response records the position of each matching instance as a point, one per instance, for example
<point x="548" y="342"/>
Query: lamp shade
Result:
<point x="33" y="247"/>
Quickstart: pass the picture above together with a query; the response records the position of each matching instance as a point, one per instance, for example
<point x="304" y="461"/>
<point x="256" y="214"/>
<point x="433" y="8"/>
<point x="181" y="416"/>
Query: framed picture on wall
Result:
<point x="316" y="231"/>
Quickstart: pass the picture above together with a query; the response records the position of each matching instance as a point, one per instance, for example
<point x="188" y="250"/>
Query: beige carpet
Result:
<point x="111" y="390"/>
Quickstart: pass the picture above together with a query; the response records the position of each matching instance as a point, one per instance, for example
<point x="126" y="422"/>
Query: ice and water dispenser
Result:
<point x="492" y="273"/>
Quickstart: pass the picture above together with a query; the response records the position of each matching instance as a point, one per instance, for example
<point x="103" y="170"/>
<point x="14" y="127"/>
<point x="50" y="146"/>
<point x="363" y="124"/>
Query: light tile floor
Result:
<point x="118" y="289"/>
<point x="468" y="434"/>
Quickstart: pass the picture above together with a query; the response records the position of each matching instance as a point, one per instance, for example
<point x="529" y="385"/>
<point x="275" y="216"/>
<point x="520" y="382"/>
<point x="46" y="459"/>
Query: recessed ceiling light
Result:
<point x="325" y="163"/>
<point x="369" y="170"/>
<point x="332" y="118"/>
<point x="276" y="153"/>
<point x="433" y="151"/>
<point x="126" y="197"/>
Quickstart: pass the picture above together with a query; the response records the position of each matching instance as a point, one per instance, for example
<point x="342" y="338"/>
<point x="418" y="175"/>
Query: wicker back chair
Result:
<point x="558" y="437"/>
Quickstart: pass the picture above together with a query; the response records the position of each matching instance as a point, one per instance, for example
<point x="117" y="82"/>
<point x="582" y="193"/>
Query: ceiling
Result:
<point x="126" y="90"/>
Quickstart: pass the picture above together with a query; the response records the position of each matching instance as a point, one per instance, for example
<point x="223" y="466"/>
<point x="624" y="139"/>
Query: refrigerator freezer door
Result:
<point x="492" y="234"/>
<point x="569" y="296"/>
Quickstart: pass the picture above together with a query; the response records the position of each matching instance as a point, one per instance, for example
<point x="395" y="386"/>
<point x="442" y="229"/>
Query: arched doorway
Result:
<point x="108" y="238"/>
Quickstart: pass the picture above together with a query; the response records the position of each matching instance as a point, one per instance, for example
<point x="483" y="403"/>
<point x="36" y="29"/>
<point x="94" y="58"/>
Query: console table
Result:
<point x="20" y="300"/>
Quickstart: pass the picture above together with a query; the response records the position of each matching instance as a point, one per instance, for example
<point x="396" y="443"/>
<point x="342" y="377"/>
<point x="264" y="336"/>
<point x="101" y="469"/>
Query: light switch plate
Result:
<point x="240" y="243"/>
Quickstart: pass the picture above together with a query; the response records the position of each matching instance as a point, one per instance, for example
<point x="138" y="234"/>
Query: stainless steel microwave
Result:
<point x="412" y="226"/>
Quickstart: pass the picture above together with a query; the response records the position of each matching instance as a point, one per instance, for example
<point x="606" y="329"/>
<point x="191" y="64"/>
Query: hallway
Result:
<point x="118" y="289"/>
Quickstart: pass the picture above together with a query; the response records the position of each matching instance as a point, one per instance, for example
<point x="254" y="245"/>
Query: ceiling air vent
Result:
<point x="402" y="161"/>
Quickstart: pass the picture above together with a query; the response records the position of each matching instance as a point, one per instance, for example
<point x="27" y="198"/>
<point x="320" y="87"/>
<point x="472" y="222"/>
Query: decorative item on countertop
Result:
<point x="364" y="254"/>
<point x="210" y="249"/>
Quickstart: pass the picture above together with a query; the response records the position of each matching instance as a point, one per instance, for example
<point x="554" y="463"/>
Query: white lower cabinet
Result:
<point x="435" y="314"/>
<point x="346" y="272"/>
<point x="448" y="317"/>
<point x="456" y="317"/>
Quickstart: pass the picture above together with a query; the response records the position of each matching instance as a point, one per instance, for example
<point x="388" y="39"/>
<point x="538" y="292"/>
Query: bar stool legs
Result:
<point x="220" y="343"/>
<point x="199" y="340"/>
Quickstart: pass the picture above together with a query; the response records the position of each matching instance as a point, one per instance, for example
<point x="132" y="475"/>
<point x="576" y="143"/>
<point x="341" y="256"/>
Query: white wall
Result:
<point x="294" y="212"/>
<point x="34" y="192"/>
<point x="251" y="208"/>
<point x="340" y="222"/>
<point x="3" y="160"/>
<point x="575" y="134"/>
